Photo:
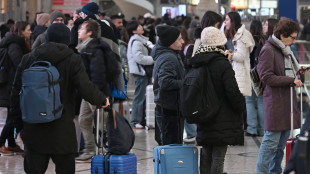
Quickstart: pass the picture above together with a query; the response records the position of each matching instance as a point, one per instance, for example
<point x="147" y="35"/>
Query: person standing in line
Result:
<point x="277" y="68"/>
<point x="55" y="140"/>
<point x="17" y="44"/>
<point x="43" y="21"/>
<point x="209" y="19"/>
<point x="55" y="17"/>
<point x="138" y="56"/>
<point x="243" y="45"/>
<point x="94" y="53"/>
<point x="268" y="26"/>
<point x="190" y="129"/>
<point x="168" y="79"/>
<point x="255" y="117"/>
<point x="226" y="127"/>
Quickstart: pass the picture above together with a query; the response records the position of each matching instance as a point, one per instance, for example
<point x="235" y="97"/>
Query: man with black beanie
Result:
<point x="55" y="140"/>
<point x="168" y="75"/>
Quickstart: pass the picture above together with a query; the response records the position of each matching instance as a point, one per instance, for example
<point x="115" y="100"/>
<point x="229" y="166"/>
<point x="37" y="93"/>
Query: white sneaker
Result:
<point x="139" y="126"/>
<point x="189" y="140"/>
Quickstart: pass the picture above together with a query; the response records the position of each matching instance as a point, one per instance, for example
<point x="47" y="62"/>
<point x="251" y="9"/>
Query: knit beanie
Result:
<point x="59" y="33"/>
<point x="90" y="8"/>
<point x="167" y="34"/>
<point x="212" y="36"/>
<point x="42" y="18"/>
<point x="56" y="14"/>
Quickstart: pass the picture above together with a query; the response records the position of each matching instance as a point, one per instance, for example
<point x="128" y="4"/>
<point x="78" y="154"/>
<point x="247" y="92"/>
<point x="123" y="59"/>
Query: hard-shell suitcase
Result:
<point x="290" y="142"/>
<point x="114" y="164"/>
<point x="150" y="107"/>
<point x="176" y="159"/>
<point x="109" y="163"/>
<point x="122" y="107"/>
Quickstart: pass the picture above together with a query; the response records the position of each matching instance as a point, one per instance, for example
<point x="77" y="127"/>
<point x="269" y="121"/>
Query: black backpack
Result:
<point x="4" y="66"/>
<point x="199" y="102"/>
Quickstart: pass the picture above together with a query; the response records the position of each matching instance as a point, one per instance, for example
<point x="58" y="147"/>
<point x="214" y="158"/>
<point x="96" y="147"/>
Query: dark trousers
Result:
<point x="212" y="159"/>
<point x="8" y="132"/>
<point x="173" y="125"/>
<point x="37" y="163"/>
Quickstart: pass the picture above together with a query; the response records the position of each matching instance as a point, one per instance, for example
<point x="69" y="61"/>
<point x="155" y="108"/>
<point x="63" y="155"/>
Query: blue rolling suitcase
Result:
<point x="114" y="164"/>
<point x="111" y="164"/>
<point x="176" y="159"/>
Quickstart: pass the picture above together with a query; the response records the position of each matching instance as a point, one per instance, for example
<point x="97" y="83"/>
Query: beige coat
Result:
<point x="243" y="45"/>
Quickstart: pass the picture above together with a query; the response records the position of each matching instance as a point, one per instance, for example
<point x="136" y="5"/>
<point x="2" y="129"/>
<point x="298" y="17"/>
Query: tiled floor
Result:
<point x="239" y="159"/>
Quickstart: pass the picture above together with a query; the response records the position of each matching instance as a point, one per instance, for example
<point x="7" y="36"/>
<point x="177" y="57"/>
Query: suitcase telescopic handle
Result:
<point x="292" y="108"/>
<point x="292" y="112"/>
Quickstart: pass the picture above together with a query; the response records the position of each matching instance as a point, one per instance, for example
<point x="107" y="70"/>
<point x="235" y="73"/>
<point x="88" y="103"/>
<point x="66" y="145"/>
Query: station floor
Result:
<point x="238" y="160"/>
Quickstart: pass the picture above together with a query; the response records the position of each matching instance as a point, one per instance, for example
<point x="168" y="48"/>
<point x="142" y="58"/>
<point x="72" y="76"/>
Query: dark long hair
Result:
<point x="256" y="29"/>
<point x="271" y="23"/>
<point x="210" y="18"/>
<point x="235" y="21"/>
<point x="18" y="29"/>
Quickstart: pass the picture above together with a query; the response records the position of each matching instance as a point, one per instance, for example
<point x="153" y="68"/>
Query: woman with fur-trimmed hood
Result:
<point x="226" y="127"/>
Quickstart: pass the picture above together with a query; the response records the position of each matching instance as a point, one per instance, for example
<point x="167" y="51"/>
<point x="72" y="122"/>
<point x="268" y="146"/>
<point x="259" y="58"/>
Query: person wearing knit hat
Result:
<point x="57" y="17"/>
<point x="167" y="34"/>
<point x="217" y="133"/>
<point x="56" y="140"/>
<point x="90" y="8"/>
<point x="43" y="21"/>
<point x="168" y="76"/>
<point x="212" y="36"/>
<point x="59" y="33"/>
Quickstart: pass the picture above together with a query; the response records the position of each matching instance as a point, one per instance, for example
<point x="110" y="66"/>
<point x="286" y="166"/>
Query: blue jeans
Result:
<point x="173" y="133"/>
<point x="190" y="129"/>
<point x="271" y="152"/>
<point x="255" y="118"/>
<point x="138" y="104"/>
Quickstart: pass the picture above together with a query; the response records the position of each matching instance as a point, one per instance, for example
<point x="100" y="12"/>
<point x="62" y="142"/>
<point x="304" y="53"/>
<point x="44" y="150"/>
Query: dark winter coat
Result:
<point x="107" y="35"/>
<point x="100" y="65"/>
<point x="57" y="137"/>
<point x="36" y="32"/>
<point x="168" y="75"/>
<point x="259" y="42"/>
<point x="226" y="127"/>
<point x="276" y="96"/>
<point x="16" y="47"/>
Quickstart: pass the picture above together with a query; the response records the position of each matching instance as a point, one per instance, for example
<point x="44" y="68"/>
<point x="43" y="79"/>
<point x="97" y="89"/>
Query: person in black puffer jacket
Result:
<point x="56" y="139"/>
<point x="17" y="44"/>
<point x="226" y="127"/>
<point x="101" y="69"/>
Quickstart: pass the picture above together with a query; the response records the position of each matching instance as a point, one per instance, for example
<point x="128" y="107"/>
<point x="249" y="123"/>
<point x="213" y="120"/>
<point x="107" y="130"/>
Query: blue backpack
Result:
<point x="117" y="93"/>
<point x="40" y="95"/>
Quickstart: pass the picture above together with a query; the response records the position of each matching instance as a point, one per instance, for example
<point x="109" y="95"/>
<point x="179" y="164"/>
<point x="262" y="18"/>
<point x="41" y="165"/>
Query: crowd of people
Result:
<point x="93" y="51"/>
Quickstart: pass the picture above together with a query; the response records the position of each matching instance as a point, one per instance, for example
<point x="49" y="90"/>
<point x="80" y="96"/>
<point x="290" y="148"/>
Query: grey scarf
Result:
<point x="83" y="44"/>
<point x="291" y="64"/>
